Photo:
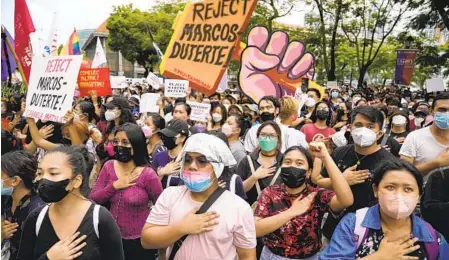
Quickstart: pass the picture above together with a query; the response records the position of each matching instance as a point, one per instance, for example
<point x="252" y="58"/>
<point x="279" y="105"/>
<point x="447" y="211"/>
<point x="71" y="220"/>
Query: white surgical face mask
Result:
<point x="399" y="120"/>
<point x="216" y="117"/>
<point x="363" y="136"/>
<point x="110" y="115"/>
<point x="310" y="102"/>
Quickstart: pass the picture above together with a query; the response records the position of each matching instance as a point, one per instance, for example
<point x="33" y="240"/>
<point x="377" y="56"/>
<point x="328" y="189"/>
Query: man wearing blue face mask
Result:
<point x="428" y="148"/>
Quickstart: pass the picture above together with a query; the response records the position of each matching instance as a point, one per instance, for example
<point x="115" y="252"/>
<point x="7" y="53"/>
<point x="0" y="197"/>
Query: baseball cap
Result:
<point x="175" y="127"/>
<point x="117" y="101"/>
<point x="252" y="107"/>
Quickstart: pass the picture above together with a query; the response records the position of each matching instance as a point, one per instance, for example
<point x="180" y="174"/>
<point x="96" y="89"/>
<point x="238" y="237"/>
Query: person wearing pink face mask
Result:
<point x="152" y="125"/>
<point x="389" y="229"/>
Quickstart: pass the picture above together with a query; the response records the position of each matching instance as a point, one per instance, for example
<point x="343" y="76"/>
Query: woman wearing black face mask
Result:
<point x="174" y="135"/>
<point x="320" y="128"/>
<point x="129" y="185"/>
<point x="71" y="227"/>
<point x="289" y="215"/>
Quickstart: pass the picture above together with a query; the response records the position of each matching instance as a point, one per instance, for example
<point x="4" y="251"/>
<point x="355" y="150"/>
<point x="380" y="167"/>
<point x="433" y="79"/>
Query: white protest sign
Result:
<point x="153" y="80"/>
<point x="332" y="85"/>
<point x="301" y="98"/>
<point x="148" y="103"/>
<point x="118" y="82"/>
<point x="176" y="88"/>
<point x="434" y="85"/>
<point x="52" y="86"/>
<point x="199" y="112"/>
<point x="223" y="85"/>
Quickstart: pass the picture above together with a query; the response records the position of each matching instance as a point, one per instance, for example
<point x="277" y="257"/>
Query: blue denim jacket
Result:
<point x="343" y="245"/>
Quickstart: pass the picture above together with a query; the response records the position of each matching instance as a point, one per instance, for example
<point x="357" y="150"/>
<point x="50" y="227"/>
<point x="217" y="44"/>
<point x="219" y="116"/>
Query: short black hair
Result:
<point x="442" y="96"/>
<point x="271" y="99"/>
<point x="316" y="92"/>
<point x="138" y="142"/>
<point x="303" y="151"/>
<point x="158" y="120"/>
<point x="187" y="106"/>
<point x="22" y="164"/>
<point x="395" y="165"/>
<point x="215" y="94"/>
<point x="373" y="114"/>
<point x="394" y="102"/>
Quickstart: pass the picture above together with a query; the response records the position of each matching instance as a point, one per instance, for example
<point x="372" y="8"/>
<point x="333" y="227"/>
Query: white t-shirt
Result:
<point x="290" y="137"/>
<point x="236" y="227"/>
<point x="422" y="146"/>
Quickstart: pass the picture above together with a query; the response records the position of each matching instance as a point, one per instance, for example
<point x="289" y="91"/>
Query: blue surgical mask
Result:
<point x="334" y="94"/>
<point x="6" y="191"/>
<point x="441" y="120"/>
<point x="345" y="98"/>
<point x="196" y="181"/>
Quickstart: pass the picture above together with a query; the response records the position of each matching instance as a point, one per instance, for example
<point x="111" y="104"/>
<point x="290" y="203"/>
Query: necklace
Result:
<point x="360" y="159"/>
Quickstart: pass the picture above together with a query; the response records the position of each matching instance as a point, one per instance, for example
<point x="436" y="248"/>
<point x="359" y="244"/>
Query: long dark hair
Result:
<point x="242" y="123"/>
<point x="224" y="112"/>
<point x="126" y="116"/>
<point x="88" y="108"/>
<point x="138" y="142"/>
<point x="22" y="164"/>
<point x="314" y="117"/>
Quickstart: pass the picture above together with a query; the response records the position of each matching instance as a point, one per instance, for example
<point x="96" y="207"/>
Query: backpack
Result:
<point x="96" y="218"/>
<point x="432" y="249"/>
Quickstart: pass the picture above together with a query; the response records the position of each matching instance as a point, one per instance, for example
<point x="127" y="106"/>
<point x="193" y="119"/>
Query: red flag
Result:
<point x="23" y="26"/>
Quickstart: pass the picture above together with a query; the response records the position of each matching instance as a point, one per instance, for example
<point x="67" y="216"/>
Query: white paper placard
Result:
<point x="176" y="88"/>
<point x="332" y="85"/>
<point x="118" y="82"/>
<point x="153" y="80"/>
<point x="200" y="111"/>
<point x="148" y="103"/>
<point x="52" y="86"/>
<point x="435" y="84"/>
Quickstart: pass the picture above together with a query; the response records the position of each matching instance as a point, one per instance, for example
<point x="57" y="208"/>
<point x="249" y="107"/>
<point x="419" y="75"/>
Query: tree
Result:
<point x="368" y="25"/>
<point x="275" y="9"/>
<point x="431" y="13"/>
<point x="129" y="31"/>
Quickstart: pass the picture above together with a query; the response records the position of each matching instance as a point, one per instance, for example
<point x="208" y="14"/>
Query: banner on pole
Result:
<point x="176" y="88"/>
<point x="405" y="64"/>
<point x="52" y="86"/>
<point x="94" y="80"/>
<point x="199" y="112"/>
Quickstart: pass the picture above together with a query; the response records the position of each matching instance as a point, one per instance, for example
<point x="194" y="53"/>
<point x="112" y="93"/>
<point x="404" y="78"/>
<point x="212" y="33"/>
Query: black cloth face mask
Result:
<point x="123" y="154"/>
<point x="322" y="114"/>
<point x="266" y="116"/>
<point x="169" y="142"/>
<point x="293" y="177"/>
<point x="51" y="191"/>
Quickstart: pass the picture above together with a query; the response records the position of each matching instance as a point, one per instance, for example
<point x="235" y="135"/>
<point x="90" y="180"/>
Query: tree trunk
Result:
<point x="147" y="71"/>
<point x="331" y="73"/>
<point x="383" y="83"/>
<point x="362" y="72"/>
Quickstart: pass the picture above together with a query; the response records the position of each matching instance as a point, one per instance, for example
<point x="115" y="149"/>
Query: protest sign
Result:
<point x="153" y="80"/>
<point x="205" y="36"/>
<point x="176" y="88"/>
<point x="434" y="85"/>
<point x="332" y="85"/>
<point x="97" y="80"/>
<point x="199" y="112"/>
<point x="223" y="85"/>
<point x="118" y="82"/>
<point x="52" y="86"/>
<point x="148" y="103"/>
<point x="301" y="98"/>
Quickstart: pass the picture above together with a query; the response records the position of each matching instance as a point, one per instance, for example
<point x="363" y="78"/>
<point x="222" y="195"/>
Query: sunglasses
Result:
<point x="201" y="161"/>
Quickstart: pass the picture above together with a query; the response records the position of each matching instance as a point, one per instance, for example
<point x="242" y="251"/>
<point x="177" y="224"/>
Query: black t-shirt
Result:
<point x="346" y="157"/>
<point x="108" y="246"/>
<point x="404" y="134"/>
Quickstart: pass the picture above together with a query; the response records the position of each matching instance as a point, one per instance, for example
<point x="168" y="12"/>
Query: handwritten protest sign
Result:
<point x="97" y="80"/>
<point x="434" y="85"/>
<point x="52" y="86"/>
<point x="176" y="88"/>
<point x="204" y="39"/>
<point x="199" y="112"/>
<point x="148" y="103"/>
<point x="118" y="82"/>
<point x="153" y="80"/>
<point x="332" y="85"/>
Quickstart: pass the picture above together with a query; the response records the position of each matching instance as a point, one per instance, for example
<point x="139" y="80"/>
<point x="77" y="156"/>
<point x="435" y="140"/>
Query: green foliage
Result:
<point x="430" y="13"/>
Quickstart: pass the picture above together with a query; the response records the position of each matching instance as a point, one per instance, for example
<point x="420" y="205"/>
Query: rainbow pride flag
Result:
<point x="72" y="47"/>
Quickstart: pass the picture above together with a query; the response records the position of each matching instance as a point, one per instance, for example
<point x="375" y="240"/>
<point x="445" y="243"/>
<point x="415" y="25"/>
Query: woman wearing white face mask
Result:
<point x="218" y="117"/>
<point x="399" y="126"/>
<point x="389" y="230"/>
<point x="117" y="113"/>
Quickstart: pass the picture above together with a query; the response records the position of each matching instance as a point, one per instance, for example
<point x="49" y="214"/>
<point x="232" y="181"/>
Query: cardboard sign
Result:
<point x="434" y="85"/>
<point x="97" y="80"/>
<point x="205" y="36"/>
<point x="118" y="82"/>
<point x="153" y="80"/>
<point x="52" y="86"/>
<point x="176" y="88"/>
<point x="199" y="112"/>
<point x="148" y="103"/>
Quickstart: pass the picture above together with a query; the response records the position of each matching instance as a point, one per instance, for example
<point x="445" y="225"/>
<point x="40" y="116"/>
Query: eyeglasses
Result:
<point x="124" y="143"/>
<point x="201" y="161"/>
<point x="270" y="136"/>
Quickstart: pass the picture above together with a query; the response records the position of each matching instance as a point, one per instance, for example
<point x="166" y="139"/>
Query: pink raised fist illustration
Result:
<point x="272" y="65"/>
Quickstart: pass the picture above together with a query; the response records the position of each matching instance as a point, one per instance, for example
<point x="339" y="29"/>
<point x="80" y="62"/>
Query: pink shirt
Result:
<point x="236" y="226"/>
<point x="314" y="133"/>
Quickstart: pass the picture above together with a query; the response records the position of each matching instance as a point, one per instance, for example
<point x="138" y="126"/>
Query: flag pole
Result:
<point x="19" y="65"/>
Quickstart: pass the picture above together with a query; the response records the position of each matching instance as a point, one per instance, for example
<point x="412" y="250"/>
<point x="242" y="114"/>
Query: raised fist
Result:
<point x="271" y="66"/>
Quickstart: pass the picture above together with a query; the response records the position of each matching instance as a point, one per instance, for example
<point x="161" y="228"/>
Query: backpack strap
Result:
<point x="96" y="219"/>
<point x="275" y="177"/>
<point x="40" y="218"/>
<point x="360" y="232"/>
<point x="232" y="184"/>
<point x="432" y="248"/>
<point x="251" y="166"/>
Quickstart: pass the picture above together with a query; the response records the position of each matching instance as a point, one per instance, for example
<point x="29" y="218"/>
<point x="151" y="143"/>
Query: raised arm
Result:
<point x="37" y="138"/>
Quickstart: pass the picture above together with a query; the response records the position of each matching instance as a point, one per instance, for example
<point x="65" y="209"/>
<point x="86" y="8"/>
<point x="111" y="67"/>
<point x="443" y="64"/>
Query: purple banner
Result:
<point x="405" y="64"/>
<point x="7" y="56"/>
